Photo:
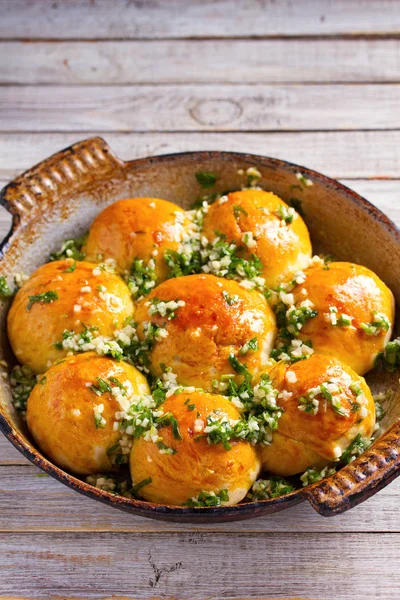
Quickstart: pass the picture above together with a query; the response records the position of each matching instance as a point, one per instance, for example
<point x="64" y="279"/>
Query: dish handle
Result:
<point x="359" y="480"/>
<point x="66" y="173"/>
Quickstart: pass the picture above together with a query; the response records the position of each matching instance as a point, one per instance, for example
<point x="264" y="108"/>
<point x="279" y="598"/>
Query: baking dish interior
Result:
<point x="340" y="223"/>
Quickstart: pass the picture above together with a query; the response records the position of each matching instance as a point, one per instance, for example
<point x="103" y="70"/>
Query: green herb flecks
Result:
<point x="71" y="248"/>
<point x="297" y="205"/>
<point x="164" y="449"/>
<point x="138" y="486"/>
<point x="250" y="346"/>
<point x="380" y="323"/>
<point x="286" y="213"/>
<point x="206" y="180"/>
<point x="169" y="419"/>
<point x="389" y="359"/>
<point x="22" y="381"/>
<point x="354" y="449"/>
<point x="311" y="475"/>
<point x="5" y="291"/>
<point x="209" y="499"/>
<point x="45" y="298"/>
<point x="239" y="210"/>
<point x="142" y="278"/>
<point x="100" y="387"/>
<point x="71" y="267"/>
<point x="231" y="300"/>
<point x="263" y="489"/>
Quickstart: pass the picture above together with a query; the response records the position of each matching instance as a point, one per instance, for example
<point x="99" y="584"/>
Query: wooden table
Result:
<point x="313" y="82"/>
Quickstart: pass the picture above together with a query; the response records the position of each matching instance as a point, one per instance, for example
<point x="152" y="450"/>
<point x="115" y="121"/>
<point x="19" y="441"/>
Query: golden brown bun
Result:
<point x="355" y="291"/>
<point x="306" y="440"/>
<point x="33" y="333"/>
<point x="61" y="414"/>
<point x="136" y="228"/>
<point x="197" y="465"/>
<point x="282" y="248"/>
<point x="207" y="328"/>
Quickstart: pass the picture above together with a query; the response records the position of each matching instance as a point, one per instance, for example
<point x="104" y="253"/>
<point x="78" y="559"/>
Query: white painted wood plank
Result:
<point x="199" y="565"/>
<point x="32" y="502"/>
<point x="10" y="455"/>
<point x="206" y="61"/>
<point x="342" y="155"/>
<point x="186" y="18"/>
<point x="197" y="108"/>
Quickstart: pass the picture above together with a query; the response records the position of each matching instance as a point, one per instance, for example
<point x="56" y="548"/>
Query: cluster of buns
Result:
<point x="205" y="337"/>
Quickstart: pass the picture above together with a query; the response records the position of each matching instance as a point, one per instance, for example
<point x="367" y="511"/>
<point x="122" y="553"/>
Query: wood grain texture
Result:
<point x="206" y="61"/>
<point x="200" y="18"/>
<point x="30" y="501"/>
<point x="155" y="77"/>
<point x="195" y="108"/>
<point x="201" y="565"/>
<point x="342" y="155"/>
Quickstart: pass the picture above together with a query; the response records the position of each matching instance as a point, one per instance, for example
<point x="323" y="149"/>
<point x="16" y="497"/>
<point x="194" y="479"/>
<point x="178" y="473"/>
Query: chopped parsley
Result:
<point x="100" y="387"/>
<point x="311" y="475"/>
<point x="379" y="410"/>
<point x="379" y="324"/>
<point x="4" y="288"/>
<point x="286" y="214"/>
<point x="297" y="205"/>
<point x="295" y="319"/>
<point x="354" y="449"/>
<point x="142" y="278"/>
<point x="329" y="391"/>
<point x="292" y="352"/>
<point x="71" y="268"/>
<point x="390" y="357"/>
<point x="238" y="210"/>
<point x="164" y="449"/>
<point x="263" y="489"/>
<point x="99" y="420"/>
<point x="303" y="180"/>
<point x="206" y="180"/>
<point x="116" y="382"/>
<point x="71" y="248"/>
<point x="169" y="419"/>
<point x="260" y="412"/>
<point x="165" y="308"/>
<point x="22" y="382"/>
<point x="139" y="485"/>
<point x="251" y="345"/>
<point x="253" y="176"/>
<point x="209" y="499"/>
<point x="344" y="321"/>
<point x="45" y="298"/>
<point x="183" y="263"/>
<point x="231" y="300"/>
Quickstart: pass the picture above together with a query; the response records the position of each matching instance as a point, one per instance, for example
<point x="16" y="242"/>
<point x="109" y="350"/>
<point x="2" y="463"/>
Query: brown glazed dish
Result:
<point x="58" y="199"/>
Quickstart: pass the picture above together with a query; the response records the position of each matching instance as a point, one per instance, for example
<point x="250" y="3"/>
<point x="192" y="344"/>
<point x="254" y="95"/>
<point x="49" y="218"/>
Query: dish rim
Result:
<point x="182" y="513"/>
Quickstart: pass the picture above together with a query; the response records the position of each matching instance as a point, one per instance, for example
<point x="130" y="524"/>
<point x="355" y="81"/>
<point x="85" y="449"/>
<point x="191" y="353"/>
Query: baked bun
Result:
<point x="195" y="466"/>
<point x="326" y="405"/>
<point x="204" y="319"/>
<point x="137" y="228"/>
<point x="263" y="225"/>
<point x="64" y="295"/>
<point x="71" y="414"/>
<point x="355" y="313"/>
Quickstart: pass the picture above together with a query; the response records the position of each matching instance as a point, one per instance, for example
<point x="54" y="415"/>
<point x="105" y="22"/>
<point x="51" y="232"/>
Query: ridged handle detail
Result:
<point x="361" y="479"/>
<point x="64" y="172"/>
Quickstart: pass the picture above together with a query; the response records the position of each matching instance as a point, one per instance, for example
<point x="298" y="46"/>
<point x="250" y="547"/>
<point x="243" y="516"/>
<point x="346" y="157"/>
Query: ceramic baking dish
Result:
<point x="59" y="198"/>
